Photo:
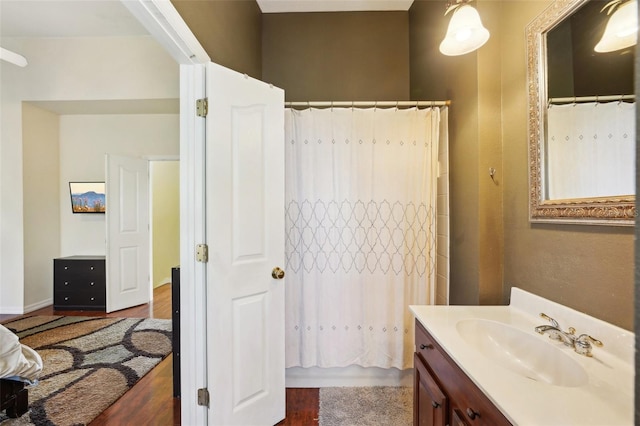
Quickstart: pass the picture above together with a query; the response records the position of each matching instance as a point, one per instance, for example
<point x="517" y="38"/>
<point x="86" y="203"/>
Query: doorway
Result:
<point x="164" y="181"/>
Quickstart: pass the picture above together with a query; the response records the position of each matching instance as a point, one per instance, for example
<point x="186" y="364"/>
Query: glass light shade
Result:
<point x="621" y="30"/>
<point x="465" y="32"/>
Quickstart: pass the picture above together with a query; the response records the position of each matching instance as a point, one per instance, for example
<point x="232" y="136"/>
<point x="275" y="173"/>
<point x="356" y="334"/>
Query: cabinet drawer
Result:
<point x="79" y="268"/>
<point x="79" y="300"/>
<point x="430" y="351"/>
<point x="72" y="284"/>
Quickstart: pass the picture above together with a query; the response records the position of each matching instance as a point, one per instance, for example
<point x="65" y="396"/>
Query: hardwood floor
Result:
<point x="150" y="401"/>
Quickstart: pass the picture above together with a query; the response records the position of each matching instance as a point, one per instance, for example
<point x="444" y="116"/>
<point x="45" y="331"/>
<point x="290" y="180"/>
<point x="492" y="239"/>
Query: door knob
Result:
<point x="277" y="273"/>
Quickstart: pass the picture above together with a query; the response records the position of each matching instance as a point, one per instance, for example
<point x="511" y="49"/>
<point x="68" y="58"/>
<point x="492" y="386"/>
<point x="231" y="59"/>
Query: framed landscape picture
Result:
<point x="87" y="197"/>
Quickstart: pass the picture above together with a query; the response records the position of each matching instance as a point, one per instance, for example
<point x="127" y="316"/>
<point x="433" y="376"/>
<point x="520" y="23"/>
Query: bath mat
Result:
<point x="366" y="406"/>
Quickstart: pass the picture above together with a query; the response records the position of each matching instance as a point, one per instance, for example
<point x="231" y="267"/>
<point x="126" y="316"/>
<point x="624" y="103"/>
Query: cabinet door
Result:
<point x="429" y="402"/>
<point x="457" y="418"/>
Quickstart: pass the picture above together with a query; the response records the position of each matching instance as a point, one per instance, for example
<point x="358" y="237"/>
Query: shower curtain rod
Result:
<point x="579" y="99"/>
<point x="328" y="104"/>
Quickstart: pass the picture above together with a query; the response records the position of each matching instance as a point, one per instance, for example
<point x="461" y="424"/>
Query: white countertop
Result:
<point x="606" y="399"/>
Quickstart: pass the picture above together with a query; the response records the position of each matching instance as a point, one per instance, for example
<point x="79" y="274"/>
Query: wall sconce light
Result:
<point x="465" y="32"/>
<point x="622" y="28"/>
<point x="12" y="57"/>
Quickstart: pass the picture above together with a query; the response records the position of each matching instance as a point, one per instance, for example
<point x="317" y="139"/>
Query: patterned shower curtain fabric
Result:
<point x="599" y="139"/>
<point x="360" y="233"/>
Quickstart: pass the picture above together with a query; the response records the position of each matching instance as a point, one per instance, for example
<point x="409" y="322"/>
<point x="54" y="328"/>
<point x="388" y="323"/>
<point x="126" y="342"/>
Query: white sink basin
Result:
<point x="528" y="355"/>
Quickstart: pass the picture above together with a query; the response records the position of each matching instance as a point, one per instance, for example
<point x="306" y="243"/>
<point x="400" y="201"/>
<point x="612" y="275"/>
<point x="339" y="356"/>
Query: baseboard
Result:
<point x="11" y="310"/>
<point x="316" y="377"/>
<point x="164" y="281"/>
<point x="38" y="305"/>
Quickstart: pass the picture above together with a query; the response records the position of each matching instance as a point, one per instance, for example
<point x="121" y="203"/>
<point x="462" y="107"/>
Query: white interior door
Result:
<point x="127" y="220"/>
<point x="245" y="234"/>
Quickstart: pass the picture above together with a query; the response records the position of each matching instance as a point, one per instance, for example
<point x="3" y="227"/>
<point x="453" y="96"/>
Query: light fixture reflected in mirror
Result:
<point x="465" y="32"/>
<point x="622" y="28"/>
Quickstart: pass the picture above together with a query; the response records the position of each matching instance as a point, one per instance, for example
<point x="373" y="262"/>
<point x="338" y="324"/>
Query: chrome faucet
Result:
<point x="555" y="332"/>
<point x="581" y="344"/>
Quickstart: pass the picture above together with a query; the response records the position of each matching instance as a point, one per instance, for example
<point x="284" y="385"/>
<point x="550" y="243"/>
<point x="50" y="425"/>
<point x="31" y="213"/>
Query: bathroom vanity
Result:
<point x="443" y="394"/>
<point x="487" y="365"/>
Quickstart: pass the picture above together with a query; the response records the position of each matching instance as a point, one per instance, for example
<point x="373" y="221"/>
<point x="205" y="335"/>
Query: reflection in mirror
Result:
<point x="581" y="118"/>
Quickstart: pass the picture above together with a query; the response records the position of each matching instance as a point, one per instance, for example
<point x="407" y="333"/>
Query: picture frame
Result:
<point x="88" y="197"/>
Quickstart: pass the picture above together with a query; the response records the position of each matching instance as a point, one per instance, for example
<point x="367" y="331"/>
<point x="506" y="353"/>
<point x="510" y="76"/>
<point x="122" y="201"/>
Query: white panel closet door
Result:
<point x="127" y="221"/>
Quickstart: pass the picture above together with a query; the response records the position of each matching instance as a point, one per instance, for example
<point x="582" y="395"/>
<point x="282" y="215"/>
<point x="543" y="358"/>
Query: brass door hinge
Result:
<point x="203" y="397"/>
<point x="202" y="107"/>
<point x="202" y="253"/>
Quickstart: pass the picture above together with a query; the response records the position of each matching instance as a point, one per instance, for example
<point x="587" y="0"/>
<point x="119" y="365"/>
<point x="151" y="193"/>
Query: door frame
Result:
<point x="168" y="28"/>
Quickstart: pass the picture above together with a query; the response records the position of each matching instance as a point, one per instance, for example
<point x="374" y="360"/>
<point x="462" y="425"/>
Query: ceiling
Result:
<point x="104" y="18"/>
<point x="282" y="6"/>
<point x="109" y="18"/>
<point x="67" y="18"/>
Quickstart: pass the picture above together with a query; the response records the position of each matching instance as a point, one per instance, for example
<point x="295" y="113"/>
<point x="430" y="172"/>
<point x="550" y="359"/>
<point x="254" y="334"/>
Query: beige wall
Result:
<point x="230" y="31"/>
<point x="494" y="247"/>
<point x="41" y="199"/>
<point x="589" y="268"/>
<point x="337" y="56"/>
<point x="165" y="220"/>
<point x="434" y="76"/>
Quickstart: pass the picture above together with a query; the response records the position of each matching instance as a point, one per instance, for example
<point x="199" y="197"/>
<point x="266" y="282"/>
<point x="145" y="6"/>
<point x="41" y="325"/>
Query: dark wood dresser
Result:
<point x="175" y="317"/>
<point x="79" y="283"/>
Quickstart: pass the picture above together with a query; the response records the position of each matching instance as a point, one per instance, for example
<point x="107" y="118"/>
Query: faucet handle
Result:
<point x="551" y="320"/>
<point x="583" y="344"/>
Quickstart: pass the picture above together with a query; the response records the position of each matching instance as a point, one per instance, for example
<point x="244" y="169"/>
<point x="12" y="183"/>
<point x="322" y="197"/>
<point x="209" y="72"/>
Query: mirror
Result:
<point x="581" y="119"/>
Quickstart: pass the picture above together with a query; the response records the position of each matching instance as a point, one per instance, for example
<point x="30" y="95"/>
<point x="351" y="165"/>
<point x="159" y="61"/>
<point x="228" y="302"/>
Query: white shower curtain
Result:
<point x="591" y="150"/>
<point x="360" y="233"/>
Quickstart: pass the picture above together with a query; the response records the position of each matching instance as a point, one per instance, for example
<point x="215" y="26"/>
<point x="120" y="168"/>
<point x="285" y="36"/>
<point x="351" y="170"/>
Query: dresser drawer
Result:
<point x="78" y="269"/>
<point x="79" y="300"/>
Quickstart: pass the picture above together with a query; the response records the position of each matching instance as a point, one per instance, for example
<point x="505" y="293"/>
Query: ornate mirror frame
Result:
<point x="592" y="211"/>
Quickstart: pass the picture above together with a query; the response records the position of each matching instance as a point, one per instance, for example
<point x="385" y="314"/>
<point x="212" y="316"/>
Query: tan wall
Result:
<point x="434" y="75"/>
<point x="393" y="55"/>
<point x="165" y="186"/>
<point x="589" y="268"/>
<point x="41" y="199"/>
<point x="493" y="245"/>
<point x="230" y="31"/>
<point x="337" y="56"/>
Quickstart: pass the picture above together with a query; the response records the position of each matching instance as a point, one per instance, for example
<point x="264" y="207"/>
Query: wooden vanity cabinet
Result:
<point x="443" y="393"/>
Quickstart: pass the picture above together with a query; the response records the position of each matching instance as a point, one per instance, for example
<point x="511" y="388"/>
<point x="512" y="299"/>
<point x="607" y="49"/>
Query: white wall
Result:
<point x="110" y="68"/>
<point x="84" y="141"/>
